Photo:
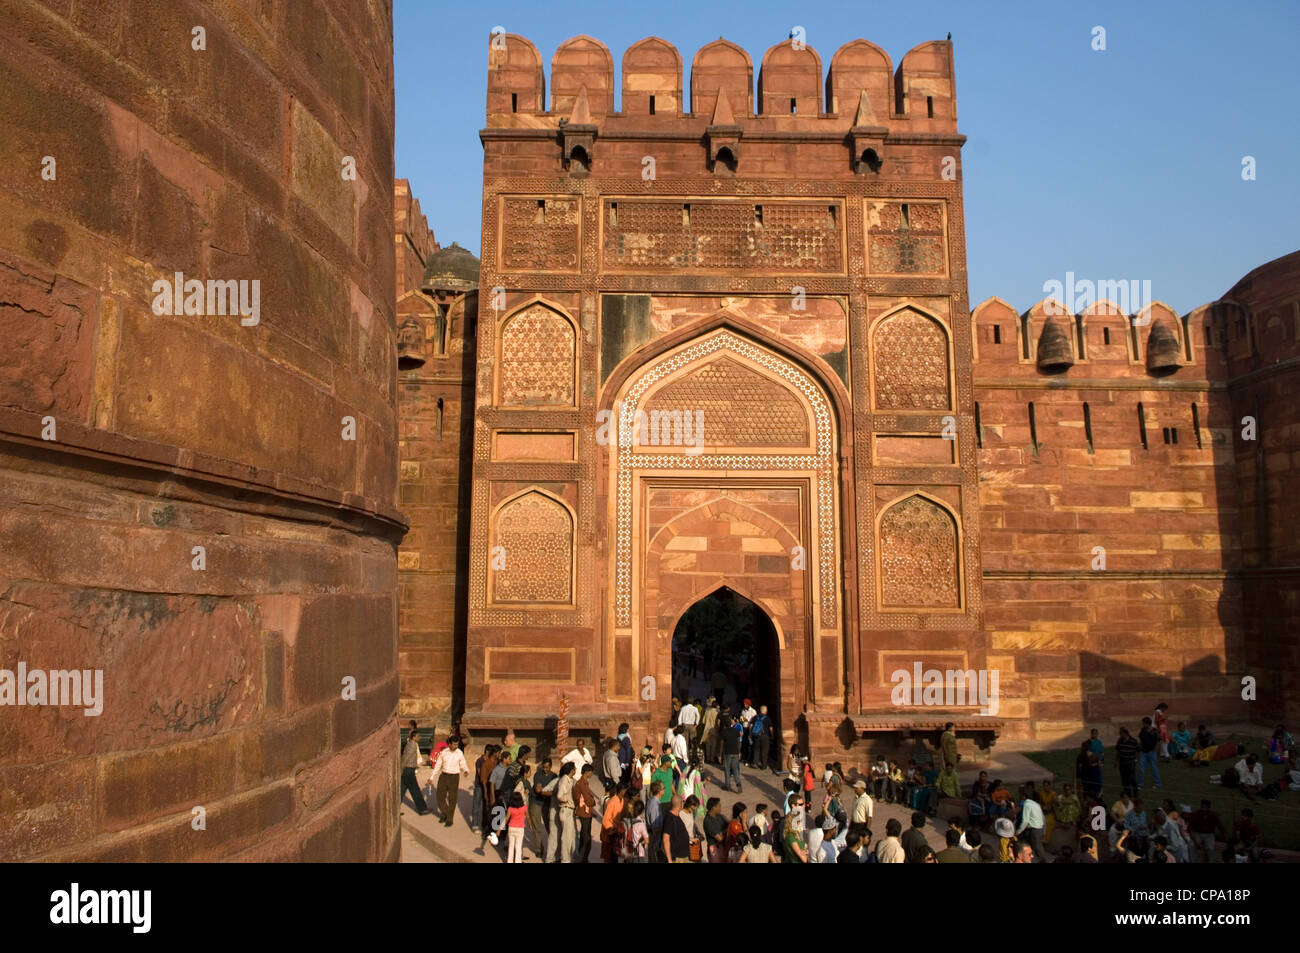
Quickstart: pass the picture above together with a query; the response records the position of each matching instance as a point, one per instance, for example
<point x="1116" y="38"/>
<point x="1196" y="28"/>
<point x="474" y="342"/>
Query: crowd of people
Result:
<point x="650" y="805"/>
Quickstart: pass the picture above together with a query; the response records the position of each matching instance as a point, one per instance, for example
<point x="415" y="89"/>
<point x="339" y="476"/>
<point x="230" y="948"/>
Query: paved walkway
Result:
<point x="459" y="844"/>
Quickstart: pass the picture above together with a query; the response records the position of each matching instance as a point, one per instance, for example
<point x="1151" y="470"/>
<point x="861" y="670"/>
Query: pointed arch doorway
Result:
<point x="726" y="646"/>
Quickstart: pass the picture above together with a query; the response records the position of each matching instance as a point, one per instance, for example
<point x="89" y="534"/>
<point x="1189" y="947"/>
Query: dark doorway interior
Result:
<point x="726" y="640"/>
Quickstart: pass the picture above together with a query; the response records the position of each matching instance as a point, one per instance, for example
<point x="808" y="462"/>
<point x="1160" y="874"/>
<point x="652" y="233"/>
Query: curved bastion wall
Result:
<point x="197" y="490"/>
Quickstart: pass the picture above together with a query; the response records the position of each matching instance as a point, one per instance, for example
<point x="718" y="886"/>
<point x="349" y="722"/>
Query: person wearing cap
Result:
<point x="829" y="842"/>
<point x="1006" y="833"/>
<point x="863" y="806"/>
<point x="448" y="770"/>
<point x="664" y="775"/>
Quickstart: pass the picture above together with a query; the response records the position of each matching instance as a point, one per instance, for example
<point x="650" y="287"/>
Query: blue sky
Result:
<point x="1122" y="164"/>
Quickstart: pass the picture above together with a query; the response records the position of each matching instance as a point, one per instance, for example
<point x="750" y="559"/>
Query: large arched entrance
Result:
<point x="726" y="646"/>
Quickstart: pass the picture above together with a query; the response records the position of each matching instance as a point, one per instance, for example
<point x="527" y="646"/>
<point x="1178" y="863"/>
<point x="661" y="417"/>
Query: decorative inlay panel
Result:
<point x="531" y="559"/>
<point x="538" y="348"/>
<point x="643" y="235"/>
<point x="907" y="238"/>
<point x="821" y="462"/>
<point x="919" y="564"/>
<point x="725" y="393"/>
<point x="910" y="363"/>
<point x="540" y="233"/>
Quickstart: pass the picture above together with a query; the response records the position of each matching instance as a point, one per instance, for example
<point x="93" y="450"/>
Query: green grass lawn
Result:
<point x="1279" y="821"/>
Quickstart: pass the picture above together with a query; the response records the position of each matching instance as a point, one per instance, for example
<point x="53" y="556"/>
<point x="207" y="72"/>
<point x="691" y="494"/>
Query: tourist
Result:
<point x="493" y="791"/>
<point x="1001" y="802"/>
<point x="747" y="714"/>
<point x="626" y="754"/>
<point x="411" y="761"/>
<point x="1160" y="721"/>
<point x="579" y="756"/>
<point x="715" y="831"/>
<point x="952" y="853"/>
<point x="1127" y="750"/>
<point x="1087" y="852"/>
<point x="988" y="854"/>
<point x="757" y="850"/>
<point x="718" y="685"/>
<point x="851" y="852"/>
<point x="807" y="779"/>
<point x="1204" y="738"/>
<point x="690" y="815"/>
<point x="795" y="849"/>
<point x="863" y="806"/>
<point x="1024" y="853"/>
<point x="447" y="771"/>
<point x="890" y="850"/>
<point x="539" y="806"/>
<point x="1096" y="747"/>
<point x="1160" y="853"/>
<point x="1181" y="741"/>
<point x="636" y="835"/>
<point x="565" y="807"/>
<point x="732" y="733"/>
<point x="1148" y="741"/>
<point x="663" y="776"/>
<point x="879" y="775"/>
<point x="1005" y="831"/>
<point x="710" y="737"/>
<point x="896" y="782"/>
<point x="1250" y="775"/>
<point x="483" y="769"/>
<point x="584" y="804"/>
<point x="611" y="769"/>
<point x="511" y="745"/>
<point x="1167" y="829"/>
<point x="688" y="725"/>
<point x="516" y="818"/>
<point x="834" y="807"/>
<point x="760" y="734"/>
<point x="980" y="803"/>
<point x="646" y="765"/>
<point x="676" y="842"/>
<point x="1245" y="836"/>
<point x="1032" y="824"/>
<point x="739" y="823"/>
<point x="681" y="749"/>
<point x="615" y="806"/>
<point x="1135" y="819"/>
<point x="948" y="746"/>
<point x="654" y="811"/>
<point x="1068" y="810"/>
<point x="971" y="841"/>
<point x="1279" y="746"/>
<point x="913" y="840"/>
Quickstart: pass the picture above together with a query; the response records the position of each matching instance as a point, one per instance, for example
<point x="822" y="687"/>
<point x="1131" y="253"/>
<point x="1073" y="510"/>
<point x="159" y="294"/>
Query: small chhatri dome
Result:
<point x="451" y="269"/>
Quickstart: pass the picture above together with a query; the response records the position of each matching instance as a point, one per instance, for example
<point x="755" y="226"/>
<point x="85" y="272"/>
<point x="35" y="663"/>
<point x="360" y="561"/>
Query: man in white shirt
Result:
<point x="579" y="756"/>
<point x="681" y="750"/>
<point x="448" y="769"/>
<point x="1031" y="825"/>
<point x="1251" y="773"/>
<point x="689" y="719"/>
<point x="747" y="713"/>
<point x="863" y="806"/>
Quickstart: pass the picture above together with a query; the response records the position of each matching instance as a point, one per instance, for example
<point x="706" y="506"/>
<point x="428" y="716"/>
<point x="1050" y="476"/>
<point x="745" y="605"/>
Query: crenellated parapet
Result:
<point x="919" y="96"/>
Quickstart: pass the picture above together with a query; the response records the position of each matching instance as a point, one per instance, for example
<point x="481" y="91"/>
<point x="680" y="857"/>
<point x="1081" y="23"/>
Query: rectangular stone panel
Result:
<point x="722" y="236"/>
<point x="906" y="238"/>
<point x="914" y="450"/>
<point x="533" y="446"/>
<point x="540" y="232"/>
<point x="531" y="664"/>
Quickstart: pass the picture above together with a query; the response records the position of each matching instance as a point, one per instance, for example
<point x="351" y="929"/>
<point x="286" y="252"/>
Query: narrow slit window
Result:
<point x="652" y="104"/>
<point x="794" y="106"/>
<point x="1173" y="432"/>
<point x="514" y="102"/>
<point x="831" y="210"/>
<point x="439" y="418"/>
<point x="1134" y="350"/>
<point x="1087" y="426"/>
<point x="1078" y="336"/>
<point x="1196" y="424"/>
<point x="1024" y="336"/>
<point x="686" y="215"/>
<point x="1207" y="335"/>
<point x="1033" y="428"/>
<point x="979" y="430"/>
<point x="929" y="106"/>
<point x="997" y="334"/>
<point x="1142" y="425"/>
<point x="1105" y="335"/>
<point x="1165" y="432"/>
<point x="758" y="215"/>
<point x="907" y="218"/>
<point x="613" y="214"/>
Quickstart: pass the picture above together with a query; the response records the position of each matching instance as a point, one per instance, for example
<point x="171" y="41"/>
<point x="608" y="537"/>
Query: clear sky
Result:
<point x="1119" y="164"/>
